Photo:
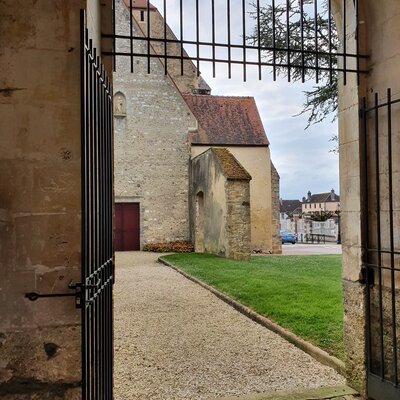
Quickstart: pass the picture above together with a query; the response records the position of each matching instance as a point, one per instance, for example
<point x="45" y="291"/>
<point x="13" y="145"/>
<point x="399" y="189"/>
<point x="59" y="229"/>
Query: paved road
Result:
<point x="176" y="340"/>
<point x="307" y="249"/>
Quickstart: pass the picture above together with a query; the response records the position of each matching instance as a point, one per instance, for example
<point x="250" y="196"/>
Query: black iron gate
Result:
<point x="97" y="216"/>
<point x="381" y="204"/>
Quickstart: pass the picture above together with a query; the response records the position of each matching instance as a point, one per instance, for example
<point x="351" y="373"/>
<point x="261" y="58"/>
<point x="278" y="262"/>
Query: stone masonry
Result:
<point x="151" y="158"/>
<point x="275" y="206"/>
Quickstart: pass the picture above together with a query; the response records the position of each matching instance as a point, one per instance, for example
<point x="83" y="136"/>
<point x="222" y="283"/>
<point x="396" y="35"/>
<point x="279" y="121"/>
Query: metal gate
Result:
<point x="96" y="301"/>
<point x="381" y="205"/>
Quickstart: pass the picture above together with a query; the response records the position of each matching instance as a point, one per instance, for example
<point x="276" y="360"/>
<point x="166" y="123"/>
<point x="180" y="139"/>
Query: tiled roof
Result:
<point x="139" y="4"/>
<point x="226" y="121"/>
<point x="231" y="168"/>
<point x="290" y="206"/>
<point x="323" y="198"/>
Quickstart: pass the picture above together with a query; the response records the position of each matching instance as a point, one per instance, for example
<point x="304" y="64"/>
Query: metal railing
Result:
<point x="380" y="151"/>
<point x="295" y="37"/>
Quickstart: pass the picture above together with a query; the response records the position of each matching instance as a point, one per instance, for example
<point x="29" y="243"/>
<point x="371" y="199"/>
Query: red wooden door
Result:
<point x="127" y="226"/>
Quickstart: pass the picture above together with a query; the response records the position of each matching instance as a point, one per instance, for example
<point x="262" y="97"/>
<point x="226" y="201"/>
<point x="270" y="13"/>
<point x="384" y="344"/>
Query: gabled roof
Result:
<point x="139" y="4"/>
<point x="323" y="198"/>
<point x="226" y="121"/>
<point x="231" y="168"/>
<point x="291" y="206"/>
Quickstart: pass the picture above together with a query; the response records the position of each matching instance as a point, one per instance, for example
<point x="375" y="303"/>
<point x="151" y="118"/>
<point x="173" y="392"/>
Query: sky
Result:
<point x="302" y="157"/>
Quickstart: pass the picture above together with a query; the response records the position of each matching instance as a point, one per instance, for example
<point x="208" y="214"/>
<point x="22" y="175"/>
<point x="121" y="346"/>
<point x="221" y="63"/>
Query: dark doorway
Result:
<point x="127" y="226"/>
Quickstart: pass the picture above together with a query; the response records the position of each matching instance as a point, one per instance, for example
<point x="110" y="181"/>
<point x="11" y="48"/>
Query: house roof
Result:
<point x="291" y="206"/>
<point x="231" y="168"/>
<point x="323" y="198"/>
<point x="139" y="4"/>
<point x="226" y="121"/>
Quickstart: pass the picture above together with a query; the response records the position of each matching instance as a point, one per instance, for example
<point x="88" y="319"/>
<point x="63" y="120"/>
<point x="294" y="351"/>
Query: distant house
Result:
<point x="321" y="202"/>
<point x="290" y="212"/>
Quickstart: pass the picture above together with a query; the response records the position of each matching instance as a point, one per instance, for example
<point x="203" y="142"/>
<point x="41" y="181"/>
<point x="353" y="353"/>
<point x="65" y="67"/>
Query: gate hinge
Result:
<point x="33" y="296"/>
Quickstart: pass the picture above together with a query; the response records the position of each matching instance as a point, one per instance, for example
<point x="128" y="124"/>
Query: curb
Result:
<point x="320" y="355"/>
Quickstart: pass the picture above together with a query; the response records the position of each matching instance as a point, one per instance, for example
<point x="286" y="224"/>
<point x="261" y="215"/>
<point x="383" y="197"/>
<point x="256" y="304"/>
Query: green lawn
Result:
<point x="300" y="293"/>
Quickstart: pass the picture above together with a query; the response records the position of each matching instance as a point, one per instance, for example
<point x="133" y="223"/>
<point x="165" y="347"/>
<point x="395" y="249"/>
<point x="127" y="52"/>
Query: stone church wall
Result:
<point x="151" y="149"/>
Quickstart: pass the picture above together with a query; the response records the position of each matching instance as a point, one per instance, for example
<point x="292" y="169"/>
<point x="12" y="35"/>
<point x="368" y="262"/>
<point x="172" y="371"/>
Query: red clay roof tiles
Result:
<point x="226" y="121"/>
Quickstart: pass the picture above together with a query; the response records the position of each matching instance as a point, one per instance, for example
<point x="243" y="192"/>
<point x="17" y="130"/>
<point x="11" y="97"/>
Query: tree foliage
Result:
<point x="304" y="28"/>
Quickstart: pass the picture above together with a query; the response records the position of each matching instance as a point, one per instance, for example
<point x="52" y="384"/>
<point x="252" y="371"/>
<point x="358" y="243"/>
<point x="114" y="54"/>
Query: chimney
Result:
<point x="304" y="199"/>
<point x="333" y="195"/>
<point x="309" y="195"/>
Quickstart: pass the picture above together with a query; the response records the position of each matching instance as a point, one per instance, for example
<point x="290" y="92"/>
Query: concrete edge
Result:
<point x="324" y="393"/>
<point x="320" y="355"/>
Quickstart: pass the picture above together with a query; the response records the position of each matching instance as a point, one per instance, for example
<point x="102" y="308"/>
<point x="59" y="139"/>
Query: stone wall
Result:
<point x="40" y="205"/>
<point x="238" y="220"/>
<point x="275" y="211"/>
<point x="379" y="38"/>
<point x="151" y="149"/>
<point x="222" y="202"/>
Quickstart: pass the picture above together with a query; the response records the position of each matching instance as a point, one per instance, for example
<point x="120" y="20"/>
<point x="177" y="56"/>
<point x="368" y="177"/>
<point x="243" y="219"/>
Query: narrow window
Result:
<point x="142" y="16"/>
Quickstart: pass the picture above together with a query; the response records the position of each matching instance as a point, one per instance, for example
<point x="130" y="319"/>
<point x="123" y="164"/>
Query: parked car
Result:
<point x="288" y="237"/>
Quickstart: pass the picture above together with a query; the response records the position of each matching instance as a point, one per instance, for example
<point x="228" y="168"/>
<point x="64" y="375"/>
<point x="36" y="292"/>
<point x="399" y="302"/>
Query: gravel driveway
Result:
<point x="176" y="340"/>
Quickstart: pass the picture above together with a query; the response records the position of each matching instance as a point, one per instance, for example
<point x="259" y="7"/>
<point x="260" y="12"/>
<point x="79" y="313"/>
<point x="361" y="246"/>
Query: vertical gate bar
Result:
<point x="273" y="41"/>
<point x="316" y="40"/>
<point x="213" y="34"/>
<point x="165" y="38"/>
<point x="102" y="274"/>
<point x="288" y="39"/>
<point x="303" y="72"/>
<point x="197" y="38"/>
<point x="110" y="232"/>
<point x="114" y="37"/>
<point x="365" y="226"/>
<point x="228" y="6"/>
<point x="83" y="195"/>
<point x="109" y="244"/>
<point x="344" y="43"/>
<point x="181" y="31"/>
<point x="244" y="40"/>
<point x="259" y="39"/>
<point x="330" y="39"/>
<point x="131" y="31"/>
<point x="356" y="5"/>
<point x="96" y="231"/>
<point x="378" y="232"/>
<point x="148" y="38"/>
<point x="90" y="227"/>
<point x="104" y="243"/>
<point x="391" y="232"/>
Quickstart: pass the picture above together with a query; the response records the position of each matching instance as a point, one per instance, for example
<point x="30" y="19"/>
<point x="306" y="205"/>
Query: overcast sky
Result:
<point x="302" y="158"/>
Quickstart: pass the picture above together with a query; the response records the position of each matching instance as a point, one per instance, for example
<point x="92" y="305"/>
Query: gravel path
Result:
<point x="176" y="340"/>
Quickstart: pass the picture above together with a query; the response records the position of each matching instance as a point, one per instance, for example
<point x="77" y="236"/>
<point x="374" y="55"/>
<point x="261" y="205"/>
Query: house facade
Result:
<point x="321" y="203"/>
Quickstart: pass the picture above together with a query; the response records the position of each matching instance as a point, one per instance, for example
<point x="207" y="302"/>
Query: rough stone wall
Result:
<point x="379" y="38"/>
<point x="226" y="209"/>
<point x="206" y="178"/>
<point x="40" y="209"/>
<point x="189" y="79"/>
<point x="275" y="211"/>
<point x="238" y="219"/>
<point x="151" y="149"/>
